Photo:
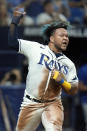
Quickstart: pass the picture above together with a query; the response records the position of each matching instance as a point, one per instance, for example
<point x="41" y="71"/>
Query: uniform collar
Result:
<point x="56" y="54"/>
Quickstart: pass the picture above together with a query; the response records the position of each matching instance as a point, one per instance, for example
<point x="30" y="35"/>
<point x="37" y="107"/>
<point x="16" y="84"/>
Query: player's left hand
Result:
<point x="56" y="75"/>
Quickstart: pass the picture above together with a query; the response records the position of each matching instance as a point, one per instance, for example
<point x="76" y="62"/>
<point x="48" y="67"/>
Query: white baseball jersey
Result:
<point x="41" y="60"/>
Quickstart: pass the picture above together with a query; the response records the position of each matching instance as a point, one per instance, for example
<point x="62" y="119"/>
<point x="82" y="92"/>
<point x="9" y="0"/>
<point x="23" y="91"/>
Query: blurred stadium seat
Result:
<point x="77" y="15"/>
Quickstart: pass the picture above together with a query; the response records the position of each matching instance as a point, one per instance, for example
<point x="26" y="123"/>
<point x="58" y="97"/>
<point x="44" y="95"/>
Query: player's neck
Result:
<point x="54" y="49"/>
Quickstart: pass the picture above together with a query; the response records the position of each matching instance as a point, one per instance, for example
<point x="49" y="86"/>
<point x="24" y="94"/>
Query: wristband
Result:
<point x="66" y="85"/>
<point x="16" y="19"/>
<point x="62" y="81"/>
<point x="56" y="73"/>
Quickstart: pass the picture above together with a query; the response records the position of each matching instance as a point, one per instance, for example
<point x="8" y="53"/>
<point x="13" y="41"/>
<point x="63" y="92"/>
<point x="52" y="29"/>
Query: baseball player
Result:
<point x="49" y="71"/>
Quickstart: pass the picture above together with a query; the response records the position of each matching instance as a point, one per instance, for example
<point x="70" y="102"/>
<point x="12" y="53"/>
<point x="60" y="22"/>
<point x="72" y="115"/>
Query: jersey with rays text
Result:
<point x="41" y="60"/>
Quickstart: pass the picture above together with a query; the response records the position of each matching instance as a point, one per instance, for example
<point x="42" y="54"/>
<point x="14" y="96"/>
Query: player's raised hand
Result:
<point x="18" y="15"/>
<point x="19" y="11"/>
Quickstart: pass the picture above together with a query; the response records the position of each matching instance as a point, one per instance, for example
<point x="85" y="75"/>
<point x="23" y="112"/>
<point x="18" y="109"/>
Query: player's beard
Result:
<point x="59" y="49"/>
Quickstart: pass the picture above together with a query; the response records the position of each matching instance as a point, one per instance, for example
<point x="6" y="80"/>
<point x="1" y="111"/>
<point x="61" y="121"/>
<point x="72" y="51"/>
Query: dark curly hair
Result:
<point x="48" y="29"/>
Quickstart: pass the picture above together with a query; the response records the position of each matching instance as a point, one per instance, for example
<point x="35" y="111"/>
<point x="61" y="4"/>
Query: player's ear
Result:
<point x="52" y="39"/>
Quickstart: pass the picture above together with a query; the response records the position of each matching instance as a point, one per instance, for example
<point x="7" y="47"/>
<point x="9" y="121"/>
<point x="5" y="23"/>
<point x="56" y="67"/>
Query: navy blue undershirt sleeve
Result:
<point x="13" y="37"/>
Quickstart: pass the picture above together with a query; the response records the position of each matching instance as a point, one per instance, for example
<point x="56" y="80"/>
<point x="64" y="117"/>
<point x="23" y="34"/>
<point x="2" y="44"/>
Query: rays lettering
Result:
<point x="53" y="64"/>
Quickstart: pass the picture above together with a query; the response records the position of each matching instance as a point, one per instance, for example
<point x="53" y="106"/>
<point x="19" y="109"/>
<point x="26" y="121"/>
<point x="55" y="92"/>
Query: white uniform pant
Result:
<point x="51" y="114"/>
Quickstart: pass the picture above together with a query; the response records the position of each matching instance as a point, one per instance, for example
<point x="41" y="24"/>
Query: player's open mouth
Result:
<point x="65" y="43"/>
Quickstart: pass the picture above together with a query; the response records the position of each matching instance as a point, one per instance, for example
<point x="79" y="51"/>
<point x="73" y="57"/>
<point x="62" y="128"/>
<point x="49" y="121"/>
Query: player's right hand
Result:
<point x="19" y="11"/>
<point x="18" y="15"/>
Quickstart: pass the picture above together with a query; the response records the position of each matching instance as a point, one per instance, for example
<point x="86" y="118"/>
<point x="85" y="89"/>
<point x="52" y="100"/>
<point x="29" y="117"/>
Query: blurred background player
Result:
<point x="82" y="75"/>
<point x="12" y="77"/>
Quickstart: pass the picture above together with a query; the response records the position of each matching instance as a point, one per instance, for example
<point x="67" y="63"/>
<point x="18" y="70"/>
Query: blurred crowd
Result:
<point x="39" y="12"/>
